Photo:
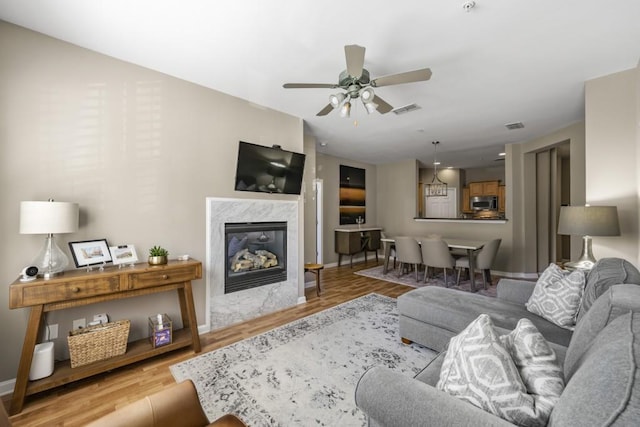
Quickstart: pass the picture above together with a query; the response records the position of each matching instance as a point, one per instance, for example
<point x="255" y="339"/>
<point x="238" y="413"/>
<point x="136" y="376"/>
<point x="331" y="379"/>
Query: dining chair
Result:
<point x="483" y="261"/>
<point x="408" y="252"/>
<point x="392" y="252"/>
<point x="435" y="253"/>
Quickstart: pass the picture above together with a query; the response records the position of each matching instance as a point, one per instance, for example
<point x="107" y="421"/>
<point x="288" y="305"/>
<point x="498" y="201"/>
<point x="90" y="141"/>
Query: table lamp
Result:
<point x="49" y="218"/>
<point x="587" y="221"/>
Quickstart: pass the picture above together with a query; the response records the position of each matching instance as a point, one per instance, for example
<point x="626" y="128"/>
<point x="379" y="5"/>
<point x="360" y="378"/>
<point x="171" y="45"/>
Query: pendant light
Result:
<point x="437" y="187"/>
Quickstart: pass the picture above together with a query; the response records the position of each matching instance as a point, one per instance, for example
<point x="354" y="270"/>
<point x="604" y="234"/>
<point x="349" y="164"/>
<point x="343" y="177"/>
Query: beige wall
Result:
<point x="138" y="150"/>
<point x="328" y="169"/>
<point x="613" y="157"/>
<point x="521" y="192"/>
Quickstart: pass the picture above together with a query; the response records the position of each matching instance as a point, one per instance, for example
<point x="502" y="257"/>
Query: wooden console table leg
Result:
<point x="188" y="313"/>
<point x="22" y="378"/>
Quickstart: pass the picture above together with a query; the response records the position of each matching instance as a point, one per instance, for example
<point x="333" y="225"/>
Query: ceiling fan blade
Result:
<point x="326" y="110"/>
<point x="309" y="85"/>
<point x="408" y="77"/>
<point x="355" y="59"/>
<point x="383" y="106"/>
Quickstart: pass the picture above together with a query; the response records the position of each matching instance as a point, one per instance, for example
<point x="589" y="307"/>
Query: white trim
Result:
<point x="302" y="300"/>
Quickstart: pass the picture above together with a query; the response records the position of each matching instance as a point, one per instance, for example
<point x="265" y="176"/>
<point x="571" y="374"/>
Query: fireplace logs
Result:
<point x="244" y="260"/>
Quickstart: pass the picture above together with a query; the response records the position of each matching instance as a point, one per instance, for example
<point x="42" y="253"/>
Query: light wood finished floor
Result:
<point x="78" y="403"/>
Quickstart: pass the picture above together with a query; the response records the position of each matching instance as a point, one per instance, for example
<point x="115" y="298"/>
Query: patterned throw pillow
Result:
<point x="557" y="296"/>
<point x="479" y="369"/>
<point x="537" y="363"/>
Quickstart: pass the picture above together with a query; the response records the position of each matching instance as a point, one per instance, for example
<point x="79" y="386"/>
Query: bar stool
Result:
<point x="315" y="269"/>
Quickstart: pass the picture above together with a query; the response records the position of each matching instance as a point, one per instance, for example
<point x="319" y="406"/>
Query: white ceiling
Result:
<point x="503" y="61"/>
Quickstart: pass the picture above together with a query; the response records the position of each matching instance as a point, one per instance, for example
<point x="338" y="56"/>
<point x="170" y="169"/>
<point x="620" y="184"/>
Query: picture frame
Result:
<point x="90" y="252"/>
<point x="123" y="254"/>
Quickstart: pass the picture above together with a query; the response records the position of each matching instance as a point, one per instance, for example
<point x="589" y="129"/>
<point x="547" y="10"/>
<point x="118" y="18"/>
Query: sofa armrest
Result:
<point x="176" y="405"/>
<point x="392" y="399"/>
<point x="516" y="291"/>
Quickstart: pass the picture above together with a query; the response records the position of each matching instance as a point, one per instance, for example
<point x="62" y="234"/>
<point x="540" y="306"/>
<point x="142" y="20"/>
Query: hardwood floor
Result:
<point x="78" y="403"/>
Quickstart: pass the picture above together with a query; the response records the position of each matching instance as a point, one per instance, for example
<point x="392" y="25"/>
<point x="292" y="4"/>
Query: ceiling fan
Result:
<point x="356" y="83"/>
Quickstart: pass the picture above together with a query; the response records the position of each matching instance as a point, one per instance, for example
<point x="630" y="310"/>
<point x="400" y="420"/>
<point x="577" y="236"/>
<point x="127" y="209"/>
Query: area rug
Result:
<point x="304" y="373"/>
<point x="409" y="279"/>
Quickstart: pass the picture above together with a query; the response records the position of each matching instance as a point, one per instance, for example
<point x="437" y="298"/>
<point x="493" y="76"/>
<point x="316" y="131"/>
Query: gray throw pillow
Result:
<point x="537" y="363"/>
<point x="479" y="370"/>
<point x="557" y="296"/>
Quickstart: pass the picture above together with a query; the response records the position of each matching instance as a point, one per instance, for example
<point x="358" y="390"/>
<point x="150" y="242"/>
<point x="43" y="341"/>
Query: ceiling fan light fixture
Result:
<point x="345" y="111"/>
<point x="367" y="95"/>
<point x="370" y="107"/>
<point x="336" y="99"/>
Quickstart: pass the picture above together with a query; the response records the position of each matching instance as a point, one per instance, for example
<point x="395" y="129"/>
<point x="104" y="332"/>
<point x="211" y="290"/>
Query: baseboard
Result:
<point x="345" y="262"/>
<point x="6" y="387"/>
<point x="302" y="300"/>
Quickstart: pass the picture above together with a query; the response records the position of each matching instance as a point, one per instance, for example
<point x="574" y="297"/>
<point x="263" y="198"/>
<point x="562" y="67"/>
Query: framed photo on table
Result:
<point x="90" y="252"/>
<point x="123" y="254"/>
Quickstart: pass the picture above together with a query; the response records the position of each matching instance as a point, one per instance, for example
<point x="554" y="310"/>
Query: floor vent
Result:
<point x="406" y="109"/>
<point x="514" y="126"/>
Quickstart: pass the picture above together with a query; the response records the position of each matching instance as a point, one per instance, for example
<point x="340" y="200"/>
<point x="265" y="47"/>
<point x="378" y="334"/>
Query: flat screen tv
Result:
<point x="268" y="169"/>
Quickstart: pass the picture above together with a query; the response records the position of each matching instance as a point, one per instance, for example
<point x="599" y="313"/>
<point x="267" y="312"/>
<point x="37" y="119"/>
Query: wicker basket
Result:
<point x="98" y="342"/>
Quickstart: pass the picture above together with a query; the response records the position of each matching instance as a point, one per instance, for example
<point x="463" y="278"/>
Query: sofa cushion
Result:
<point x="615" y="301"/>
<point x="480" y="370"/>
<point x="605" y="273"/>
<point x="557" y="296"/>
<point x="452" y="310"/>
<point x="604" y="390"/>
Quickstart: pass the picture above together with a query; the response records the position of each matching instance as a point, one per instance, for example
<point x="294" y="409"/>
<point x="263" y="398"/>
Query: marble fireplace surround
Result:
<point x="226" y="309"/>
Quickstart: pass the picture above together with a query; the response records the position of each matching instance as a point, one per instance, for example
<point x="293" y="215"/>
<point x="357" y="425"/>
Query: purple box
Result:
<point x="160" y="330"/>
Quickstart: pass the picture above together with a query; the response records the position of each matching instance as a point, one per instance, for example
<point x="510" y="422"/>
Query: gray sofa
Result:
<point x="432" y="315"/>
<point x="601" y="369"/>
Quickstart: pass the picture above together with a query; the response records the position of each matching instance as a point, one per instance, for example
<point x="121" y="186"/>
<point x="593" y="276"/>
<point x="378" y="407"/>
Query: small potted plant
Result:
<point x="158" y="255"/>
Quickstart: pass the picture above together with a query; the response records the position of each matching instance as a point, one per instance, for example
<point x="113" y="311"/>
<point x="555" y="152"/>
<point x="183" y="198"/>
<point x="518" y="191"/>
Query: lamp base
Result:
<point x="586" y="260"/>
<point x="579" y="265"/>
<point x="51" y="261"/>
<point x="50" y="274"/>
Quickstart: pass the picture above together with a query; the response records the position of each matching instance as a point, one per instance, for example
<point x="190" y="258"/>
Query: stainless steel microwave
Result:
<point x="484" y="203"/>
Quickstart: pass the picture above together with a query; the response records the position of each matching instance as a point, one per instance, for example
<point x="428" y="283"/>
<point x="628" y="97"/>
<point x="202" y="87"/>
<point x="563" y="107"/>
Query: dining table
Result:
<point x="471" y="246"/>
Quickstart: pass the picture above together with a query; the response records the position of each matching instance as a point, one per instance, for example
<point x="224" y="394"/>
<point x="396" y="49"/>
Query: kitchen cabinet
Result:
<point x="466" y="202"/>
<point x="483" y="188"/>
<point x="502" y="200"/>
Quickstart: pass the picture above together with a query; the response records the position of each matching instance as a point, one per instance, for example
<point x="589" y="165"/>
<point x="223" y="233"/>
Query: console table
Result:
<point x="79" y="287"/>
<point x="350" y="240"/>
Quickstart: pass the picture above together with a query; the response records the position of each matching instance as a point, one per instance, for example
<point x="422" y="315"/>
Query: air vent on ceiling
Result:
<point x="499" y="159"/>
<point x="514" y="126"/>
<point x="406" y="109"/>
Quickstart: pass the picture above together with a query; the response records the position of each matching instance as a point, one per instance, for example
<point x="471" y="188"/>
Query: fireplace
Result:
<point x="224" y="309"/>
<point x="256" y="254"/>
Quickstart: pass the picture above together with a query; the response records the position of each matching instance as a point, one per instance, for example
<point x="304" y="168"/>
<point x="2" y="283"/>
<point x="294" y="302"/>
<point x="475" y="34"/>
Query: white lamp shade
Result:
<point x="48" y="217"/>
<point x="589" y="221"/>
